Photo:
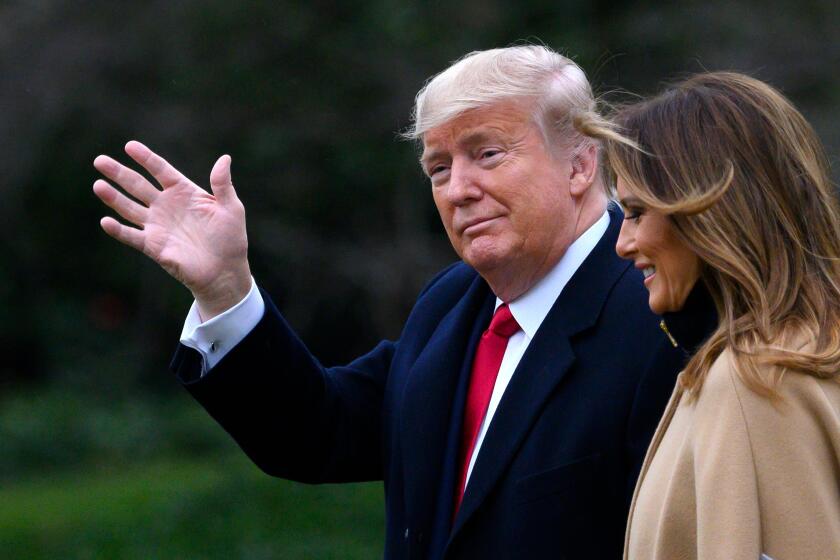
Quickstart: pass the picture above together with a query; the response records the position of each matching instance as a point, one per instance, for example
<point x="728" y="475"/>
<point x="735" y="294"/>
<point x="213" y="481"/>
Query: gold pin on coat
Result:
<point x="664" y="328"/>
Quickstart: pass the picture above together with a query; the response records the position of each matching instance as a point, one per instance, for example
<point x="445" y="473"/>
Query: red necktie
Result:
<point x="485" y="368"/>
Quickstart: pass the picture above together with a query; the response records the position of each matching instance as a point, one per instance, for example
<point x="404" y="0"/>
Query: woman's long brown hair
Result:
<point x="745" y="181"/>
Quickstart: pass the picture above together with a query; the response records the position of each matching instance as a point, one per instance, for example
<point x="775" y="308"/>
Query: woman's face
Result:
<point x="647" y="237"/>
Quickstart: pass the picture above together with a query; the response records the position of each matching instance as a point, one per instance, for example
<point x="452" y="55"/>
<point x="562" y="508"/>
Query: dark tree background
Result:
<point x="308" y="98"/>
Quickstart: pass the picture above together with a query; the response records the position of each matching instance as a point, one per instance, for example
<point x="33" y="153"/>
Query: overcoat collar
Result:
<point x="430" y="405"/>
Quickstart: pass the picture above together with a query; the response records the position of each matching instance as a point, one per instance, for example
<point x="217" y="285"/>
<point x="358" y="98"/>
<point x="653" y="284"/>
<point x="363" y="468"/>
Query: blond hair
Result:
<point x="745" y="182"/>
<point x="551" y="83"/>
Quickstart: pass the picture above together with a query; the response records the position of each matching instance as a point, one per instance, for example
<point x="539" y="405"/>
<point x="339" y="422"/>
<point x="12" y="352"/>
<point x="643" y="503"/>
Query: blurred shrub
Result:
<point x="59" y="429"/>
<point x="179" y="508"/>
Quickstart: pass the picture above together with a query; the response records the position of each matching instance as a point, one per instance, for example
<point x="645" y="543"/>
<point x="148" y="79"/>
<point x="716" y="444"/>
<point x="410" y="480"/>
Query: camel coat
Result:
<point x="731" y="476"/>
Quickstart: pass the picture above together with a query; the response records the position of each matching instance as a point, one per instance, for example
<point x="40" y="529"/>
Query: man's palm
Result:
<point x="197" y="237"/>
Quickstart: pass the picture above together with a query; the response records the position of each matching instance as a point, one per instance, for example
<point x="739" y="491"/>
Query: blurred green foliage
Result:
<point x="50" y="431"/>
<point x="81" y="477"/>
<point x="101" y="454"/>
<point x="220" y="508"/>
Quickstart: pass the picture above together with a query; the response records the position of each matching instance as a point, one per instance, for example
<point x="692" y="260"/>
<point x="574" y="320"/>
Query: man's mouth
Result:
<point x="648" y="271"/>
<point x="472" y="225"/>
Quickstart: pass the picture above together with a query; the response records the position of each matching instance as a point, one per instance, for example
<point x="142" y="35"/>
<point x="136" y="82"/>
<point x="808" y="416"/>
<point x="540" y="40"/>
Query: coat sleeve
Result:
<point x="767" y="473"/>
<point x="293" y="417"/>
<point x="297" y="419"/>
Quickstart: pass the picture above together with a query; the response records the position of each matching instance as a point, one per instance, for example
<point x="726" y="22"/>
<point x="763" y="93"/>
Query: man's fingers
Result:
<point x="124" y="234"/>
<point x="121" y="204"/>
<point x="134" y="184"/>
<point x="220" y="180"/>
<point x="160" y="169"/>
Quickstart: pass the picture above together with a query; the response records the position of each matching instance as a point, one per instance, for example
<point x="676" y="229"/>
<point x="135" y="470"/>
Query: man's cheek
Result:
<point x="456" y="241"/>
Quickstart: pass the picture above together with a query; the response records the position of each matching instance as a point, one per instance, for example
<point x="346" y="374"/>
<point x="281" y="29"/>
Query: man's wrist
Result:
<point x="228" y="290"/>
<point x="214" y="338"/>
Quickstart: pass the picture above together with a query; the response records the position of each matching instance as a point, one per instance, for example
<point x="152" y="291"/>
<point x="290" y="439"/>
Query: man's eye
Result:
<point x="489" y="153"/>
<point x="435" y="172"/>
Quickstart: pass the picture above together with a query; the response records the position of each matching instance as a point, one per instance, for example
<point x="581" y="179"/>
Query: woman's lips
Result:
<point x="649" y="273"/>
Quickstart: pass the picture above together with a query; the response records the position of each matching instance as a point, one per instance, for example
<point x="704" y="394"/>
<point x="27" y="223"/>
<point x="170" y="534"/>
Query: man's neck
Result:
<point x="510" y="284"/>
<point x="531" y="308"/>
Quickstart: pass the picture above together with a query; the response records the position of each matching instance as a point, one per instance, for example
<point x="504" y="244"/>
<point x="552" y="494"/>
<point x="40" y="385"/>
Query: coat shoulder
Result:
<point x="798" y="392"/>
<point x="792" y="445"/>
<point x="446" y="288"/>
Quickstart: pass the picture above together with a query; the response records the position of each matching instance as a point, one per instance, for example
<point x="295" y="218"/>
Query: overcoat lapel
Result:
<point x="429" y="406"/>
<point x="549" y="358"/>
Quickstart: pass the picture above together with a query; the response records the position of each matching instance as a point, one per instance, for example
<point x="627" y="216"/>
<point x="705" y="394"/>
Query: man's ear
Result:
<point x="584" y="168"/>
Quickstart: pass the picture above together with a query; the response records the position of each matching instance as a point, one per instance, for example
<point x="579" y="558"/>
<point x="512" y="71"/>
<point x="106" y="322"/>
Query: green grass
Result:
<point x="200" y="508"/>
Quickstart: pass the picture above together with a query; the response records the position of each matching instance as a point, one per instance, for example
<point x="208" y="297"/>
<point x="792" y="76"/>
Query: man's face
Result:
<point x="504" y="199"/>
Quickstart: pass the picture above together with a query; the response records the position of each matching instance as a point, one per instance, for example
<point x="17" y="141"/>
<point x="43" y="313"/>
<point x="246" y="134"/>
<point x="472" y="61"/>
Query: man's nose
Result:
<point x="464" y="184"/>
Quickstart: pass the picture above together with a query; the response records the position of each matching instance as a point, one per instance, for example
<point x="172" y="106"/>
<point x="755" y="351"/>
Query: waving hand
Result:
<point x="197" y="237"/>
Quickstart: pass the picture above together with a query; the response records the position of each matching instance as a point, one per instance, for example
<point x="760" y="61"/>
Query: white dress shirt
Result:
<point x="216" y="337"/>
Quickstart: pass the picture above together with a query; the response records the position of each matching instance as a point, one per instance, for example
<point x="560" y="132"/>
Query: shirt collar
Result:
<point x="530" y="308"/>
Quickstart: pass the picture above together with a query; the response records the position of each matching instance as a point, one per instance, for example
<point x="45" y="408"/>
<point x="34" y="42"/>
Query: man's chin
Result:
<point x="486" y="260"/>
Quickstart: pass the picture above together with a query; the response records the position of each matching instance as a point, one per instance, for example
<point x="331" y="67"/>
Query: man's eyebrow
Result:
<point x="472" y="138"/>
<point x="476" y="136"/>
<point x="426" y="157"/>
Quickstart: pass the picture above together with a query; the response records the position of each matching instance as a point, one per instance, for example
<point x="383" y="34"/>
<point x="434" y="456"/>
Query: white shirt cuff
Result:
<point x="215" y="338"/>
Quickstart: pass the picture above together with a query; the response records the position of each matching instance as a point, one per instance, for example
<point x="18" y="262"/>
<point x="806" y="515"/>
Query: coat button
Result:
<point x="406" y="533"/>
<point x="418" y="538"/>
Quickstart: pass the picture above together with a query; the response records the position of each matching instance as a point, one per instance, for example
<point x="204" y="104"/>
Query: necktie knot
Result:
<point x="503" y="323"/>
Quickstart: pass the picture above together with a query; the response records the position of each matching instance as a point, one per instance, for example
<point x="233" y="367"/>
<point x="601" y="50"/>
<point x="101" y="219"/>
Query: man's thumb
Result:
<point x="220" y="181"/>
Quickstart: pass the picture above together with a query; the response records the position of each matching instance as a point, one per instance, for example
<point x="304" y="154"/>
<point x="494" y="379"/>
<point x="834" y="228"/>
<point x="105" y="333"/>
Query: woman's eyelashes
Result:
<point x="634" y="214"/>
